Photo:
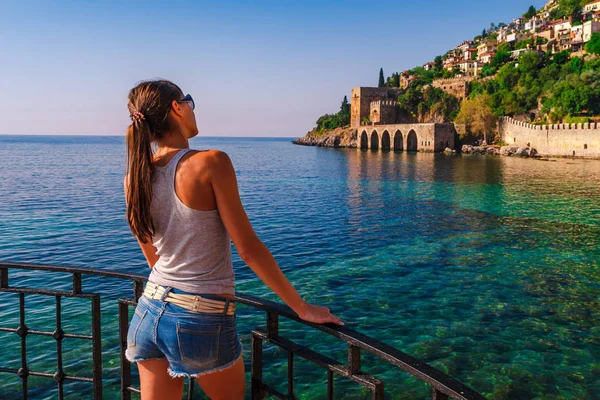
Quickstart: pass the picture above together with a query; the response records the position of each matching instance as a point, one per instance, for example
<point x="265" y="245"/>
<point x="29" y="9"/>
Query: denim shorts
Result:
<point x="193" y="343"/>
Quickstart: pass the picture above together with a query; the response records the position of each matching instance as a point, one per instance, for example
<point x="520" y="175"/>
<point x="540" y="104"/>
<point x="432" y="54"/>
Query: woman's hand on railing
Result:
<point x="317" y="314"/>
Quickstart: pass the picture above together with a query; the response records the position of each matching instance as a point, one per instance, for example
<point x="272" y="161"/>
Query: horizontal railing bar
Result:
<point x="47" y="292"/>
<point x="47" y="375"/>
<point x="128" y="301"/>
<point x="80" y="270"/>
<point x="419" y="369"/>
<point x="319" y="359"/>
<point x="42" y="333"/>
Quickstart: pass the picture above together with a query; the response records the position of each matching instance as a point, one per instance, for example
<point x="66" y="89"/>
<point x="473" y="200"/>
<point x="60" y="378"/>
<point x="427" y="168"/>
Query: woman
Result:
<point x="183" y="206"/>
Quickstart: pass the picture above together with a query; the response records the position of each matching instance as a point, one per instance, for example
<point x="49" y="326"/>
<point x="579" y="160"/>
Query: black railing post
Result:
<point x="353" y="360"/>
<point x="22" y="332"/>
<point x="58" y="335"/>
<point x="190" y="395"/>
<point x="125" y="364"/>
<point x="272" y="325"/>
<point x="329" y="384"/>
<point x="437" y="395"/>
<point x="291" y="374"/>
<point x="96" y="347"/>
<point x="378" y="393"/>
<point x="256" y="384"/>
<point x="76" y="283"/>
<point x="3" y="278"/>
<point x="138" y="289"/>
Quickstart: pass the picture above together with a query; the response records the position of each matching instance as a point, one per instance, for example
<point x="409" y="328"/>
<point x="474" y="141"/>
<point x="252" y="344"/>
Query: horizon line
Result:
<point x="95" y="135"/>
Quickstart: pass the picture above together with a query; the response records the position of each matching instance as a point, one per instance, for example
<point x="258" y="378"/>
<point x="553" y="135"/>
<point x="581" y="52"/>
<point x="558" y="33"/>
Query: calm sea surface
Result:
<point x="485" y="267"/>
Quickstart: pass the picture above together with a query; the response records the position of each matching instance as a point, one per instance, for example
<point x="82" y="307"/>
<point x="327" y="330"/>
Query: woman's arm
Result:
<point x="250" y="247"/>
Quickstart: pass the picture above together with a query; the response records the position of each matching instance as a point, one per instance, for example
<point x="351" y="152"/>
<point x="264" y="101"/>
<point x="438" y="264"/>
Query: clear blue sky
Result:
<point x="255" y="68"/>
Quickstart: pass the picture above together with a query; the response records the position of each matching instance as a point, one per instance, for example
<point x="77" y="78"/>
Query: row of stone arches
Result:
<point x="371" y="141"/>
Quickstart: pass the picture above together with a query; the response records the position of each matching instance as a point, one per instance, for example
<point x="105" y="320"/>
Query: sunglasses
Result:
<point x="188" y="99"/>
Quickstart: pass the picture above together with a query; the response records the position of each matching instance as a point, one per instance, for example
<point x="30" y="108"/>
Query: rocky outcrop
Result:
<point x="340" y="137"/>
<point x="501" y="150"/>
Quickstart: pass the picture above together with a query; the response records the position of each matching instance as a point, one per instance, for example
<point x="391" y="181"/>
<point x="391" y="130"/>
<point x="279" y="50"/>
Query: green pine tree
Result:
<point x="530" y="12"/>
<point x="381" y="78"/>
<point x="345" y="108"/>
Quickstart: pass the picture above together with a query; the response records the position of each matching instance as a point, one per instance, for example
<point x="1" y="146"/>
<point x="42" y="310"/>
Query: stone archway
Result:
<point x="411" y="141"/>
<point x="398" y="143"/>
<point x="385" y="141"/>
<point x="374" y="140"/>
<point x="364" y="141"/>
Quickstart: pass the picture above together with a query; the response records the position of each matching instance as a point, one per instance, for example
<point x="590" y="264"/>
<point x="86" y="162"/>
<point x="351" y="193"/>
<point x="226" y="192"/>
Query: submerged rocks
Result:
<point x="448" y="150"/>
<point x="501" y="150"/>
<point x="519" y="151"/>
<point x="485" y="150"/>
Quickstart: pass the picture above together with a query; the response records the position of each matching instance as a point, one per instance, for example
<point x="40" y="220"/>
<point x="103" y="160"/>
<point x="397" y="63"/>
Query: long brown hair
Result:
<point x="149" y="106"/>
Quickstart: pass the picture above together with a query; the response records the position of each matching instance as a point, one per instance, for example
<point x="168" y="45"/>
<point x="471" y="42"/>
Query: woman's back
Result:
<point x="193" y="245"/>
<point x="178" y="329"/>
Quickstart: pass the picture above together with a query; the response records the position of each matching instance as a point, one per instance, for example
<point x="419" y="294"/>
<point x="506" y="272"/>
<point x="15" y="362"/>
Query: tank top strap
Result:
<point x="172" y="167"/>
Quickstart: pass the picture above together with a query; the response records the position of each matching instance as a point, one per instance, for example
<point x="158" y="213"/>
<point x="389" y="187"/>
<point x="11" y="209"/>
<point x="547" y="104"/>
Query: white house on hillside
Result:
<point x="516" y="36"/>
<point x="592" y="6"/>
<point x="468" y="54"/>
<point x="534" y="23"/>
<point x="589" y="28"/>
<point x="469" y="68"/>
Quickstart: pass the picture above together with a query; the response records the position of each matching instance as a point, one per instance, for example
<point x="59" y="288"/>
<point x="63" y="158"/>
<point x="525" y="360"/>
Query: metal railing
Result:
<point x="442" y="385"/>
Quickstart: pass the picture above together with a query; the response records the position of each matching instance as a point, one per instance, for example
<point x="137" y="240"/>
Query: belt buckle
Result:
<point x="196" y="303"/>
<point x="154" y="291"/>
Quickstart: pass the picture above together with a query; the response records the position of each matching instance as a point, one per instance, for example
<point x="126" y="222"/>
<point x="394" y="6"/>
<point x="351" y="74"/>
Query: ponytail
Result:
<point x="149" y="108"/>
<point x="140" y="171"/>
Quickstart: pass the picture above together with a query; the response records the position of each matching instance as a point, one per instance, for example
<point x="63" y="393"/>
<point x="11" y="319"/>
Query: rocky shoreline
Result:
<point x="338" y="138"/>
<point x="496" y="150"/>
<point x="347" y="138"/>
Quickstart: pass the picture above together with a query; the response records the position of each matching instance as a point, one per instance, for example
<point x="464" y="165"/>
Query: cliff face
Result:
<point x="339" y="137"/>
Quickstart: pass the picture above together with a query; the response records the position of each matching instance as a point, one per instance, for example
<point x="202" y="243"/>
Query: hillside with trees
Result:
<point x="518" y="80"/>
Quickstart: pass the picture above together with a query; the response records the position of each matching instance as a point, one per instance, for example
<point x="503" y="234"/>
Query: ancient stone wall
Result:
<point x="362" y="98"/>
<point x="578" y="140"/>
<point x="458" y="87"/>
<point x="383" y="112"/>
<point x="406" y="137"/>
<point x="444" y="137"/>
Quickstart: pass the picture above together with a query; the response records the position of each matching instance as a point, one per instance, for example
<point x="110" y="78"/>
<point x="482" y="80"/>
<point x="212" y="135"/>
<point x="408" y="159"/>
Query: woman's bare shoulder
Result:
<point x="209" y="158"/>
<point x="209" y="162"/>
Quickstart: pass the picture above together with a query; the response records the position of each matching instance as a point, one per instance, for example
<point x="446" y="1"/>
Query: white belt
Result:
<point x="189" y="301"/>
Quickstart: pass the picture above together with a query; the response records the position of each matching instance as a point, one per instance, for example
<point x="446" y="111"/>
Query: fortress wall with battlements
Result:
<point x="559" y="140"/>
<point x="361" y="101"/>
<point x="383" y="111"/>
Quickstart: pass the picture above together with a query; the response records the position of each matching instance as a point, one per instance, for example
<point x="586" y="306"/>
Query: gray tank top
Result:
<point x="193" y="246"/>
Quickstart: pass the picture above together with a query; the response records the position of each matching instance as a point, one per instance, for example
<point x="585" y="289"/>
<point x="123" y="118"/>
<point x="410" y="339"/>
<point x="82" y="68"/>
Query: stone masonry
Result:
<point x="458" y="87"/>
<point x="383" y="111"/>
<point x="561" y="140"/>
<point x="406" y="137"/>
<point x="362" y="97"/>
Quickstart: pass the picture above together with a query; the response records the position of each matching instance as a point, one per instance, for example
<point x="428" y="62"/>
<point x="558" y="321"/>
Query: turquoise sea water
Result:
<point x="485" y="267"/>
